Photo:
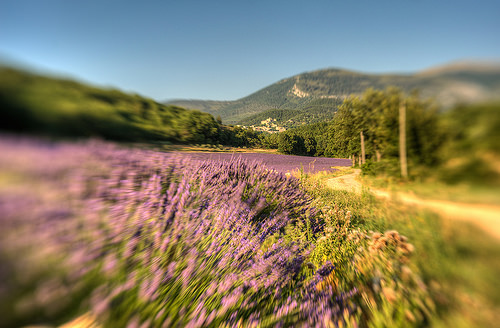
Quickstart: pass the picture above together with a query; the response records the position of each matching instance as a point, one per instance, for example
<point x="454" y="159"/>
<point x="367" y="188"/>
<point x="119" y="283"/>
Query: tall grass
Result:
<point x="458" y="263"/>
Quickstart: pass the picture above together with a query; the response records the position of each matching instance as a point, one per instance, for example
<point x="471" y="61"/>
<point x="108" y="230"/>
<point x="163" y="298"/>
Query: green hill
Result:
<point x="31" y="103"/>
<point x="313" y="96"/>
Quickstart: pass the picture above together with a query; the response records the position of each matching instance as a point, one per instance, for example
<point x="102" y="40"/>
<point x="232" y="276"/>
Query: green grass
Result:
<point x="458" y="262"/>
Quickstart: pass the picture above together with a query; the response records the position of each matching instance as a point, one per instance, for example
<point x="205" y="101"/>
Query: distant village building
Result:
<point x="268" y="125"/>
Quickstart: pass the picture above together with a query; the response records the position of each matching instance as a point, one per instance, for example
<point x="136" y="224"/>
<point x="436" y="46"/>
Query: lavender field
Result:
<point x="137" y="238"/>
<point x="278" y="162"/>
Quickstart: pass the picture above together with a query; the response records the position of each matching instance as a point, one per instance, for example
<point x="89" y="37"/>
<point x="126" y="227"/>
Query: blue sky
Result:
<point x="226" y="50"/>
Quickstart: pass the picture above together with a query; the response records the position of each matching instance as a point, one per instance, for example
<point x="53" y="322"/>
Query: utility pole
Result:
<point x="402" y="140"/>
<point x="363" y="155"/>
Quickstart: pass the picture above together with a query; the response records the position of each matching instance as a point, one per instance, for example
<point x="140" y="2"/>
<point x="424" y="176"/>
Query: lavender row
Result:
<point x="141" y="238"/>
<point x="277" y="162"/>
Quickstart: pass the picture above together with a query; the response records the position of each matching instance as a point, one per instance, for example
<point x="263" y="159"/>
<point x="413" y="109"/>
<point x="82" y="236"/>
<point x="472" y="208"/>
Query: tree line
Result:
<point x="375" y="115"/>
<point x="461" y="143"/>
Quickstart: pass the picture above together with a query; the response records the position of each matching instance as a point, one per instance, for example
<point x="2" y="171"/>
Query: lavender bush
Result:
<point x="141" y="238"/>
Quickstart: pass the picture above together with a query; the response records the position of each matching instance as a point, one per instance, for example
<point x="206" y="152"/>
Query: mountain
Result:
<point x="314" y="96"/>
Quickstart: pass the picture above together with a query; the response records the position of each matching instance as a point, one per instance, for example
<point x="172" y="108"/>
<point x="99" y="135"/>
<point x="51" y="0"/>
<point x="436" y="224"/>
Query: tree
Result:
<point x="376" y="114"/>
<point x="291" y="143"/>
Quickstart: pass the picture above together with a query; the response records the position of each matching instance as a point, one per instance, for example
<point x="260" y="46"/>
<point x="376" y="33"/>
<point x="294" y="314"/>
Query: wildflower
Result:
<point x="409" y="248"/>
<point x="325" y="269"/>
<point x="409" y="316"/>
<point x="389" y="294"/>
<point x="392" y="234"/>
<point x="406" y="273"/>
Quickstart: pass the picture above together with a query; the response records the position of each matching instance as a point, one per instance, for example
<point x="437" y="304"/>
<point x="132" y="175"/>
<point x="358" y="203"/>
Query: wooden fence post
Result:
<point x="363" y="155"/>
<point x="402" y="140"/>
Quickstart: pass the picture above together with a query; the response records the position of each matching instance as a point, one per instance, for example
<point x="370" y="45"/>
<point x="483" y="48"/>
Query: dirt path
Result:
<point x="486" y="217"/>
<point x="346" y="182"/>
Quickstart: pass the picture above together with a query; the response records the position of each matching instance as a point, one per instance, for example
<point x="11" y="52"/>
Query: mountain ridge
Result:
<point x="323" y="90"/>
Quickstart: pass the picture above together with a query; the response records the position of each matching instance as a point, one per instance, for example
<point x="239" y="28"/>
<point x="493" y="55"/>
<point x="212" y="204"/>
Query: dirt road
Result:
<point x="486" y="217"/>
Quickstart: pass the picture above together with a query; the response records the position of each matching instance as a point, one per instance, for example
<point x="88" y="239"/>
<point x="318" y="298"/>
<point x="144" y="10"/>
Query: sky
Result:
<point x="225" y="50"/>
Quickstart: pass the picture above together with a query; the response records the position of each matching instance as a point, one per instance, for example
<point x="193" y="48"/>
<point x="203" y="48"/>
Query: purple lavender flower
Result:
<point x="164" y="239"/>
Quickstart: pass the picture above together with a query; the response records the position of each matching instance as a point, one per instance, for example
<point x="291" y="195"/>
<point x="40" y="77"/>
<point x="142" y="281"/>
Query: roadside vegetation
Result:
<point x="457" y="261"/>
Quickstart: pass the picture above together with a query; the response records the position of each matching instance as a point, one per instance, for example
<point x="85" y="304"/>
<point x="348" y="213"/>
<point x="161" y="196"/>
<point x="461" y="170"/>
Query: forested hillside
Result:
<point x="317" y="110"/>
<point x="322" y="91"/>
